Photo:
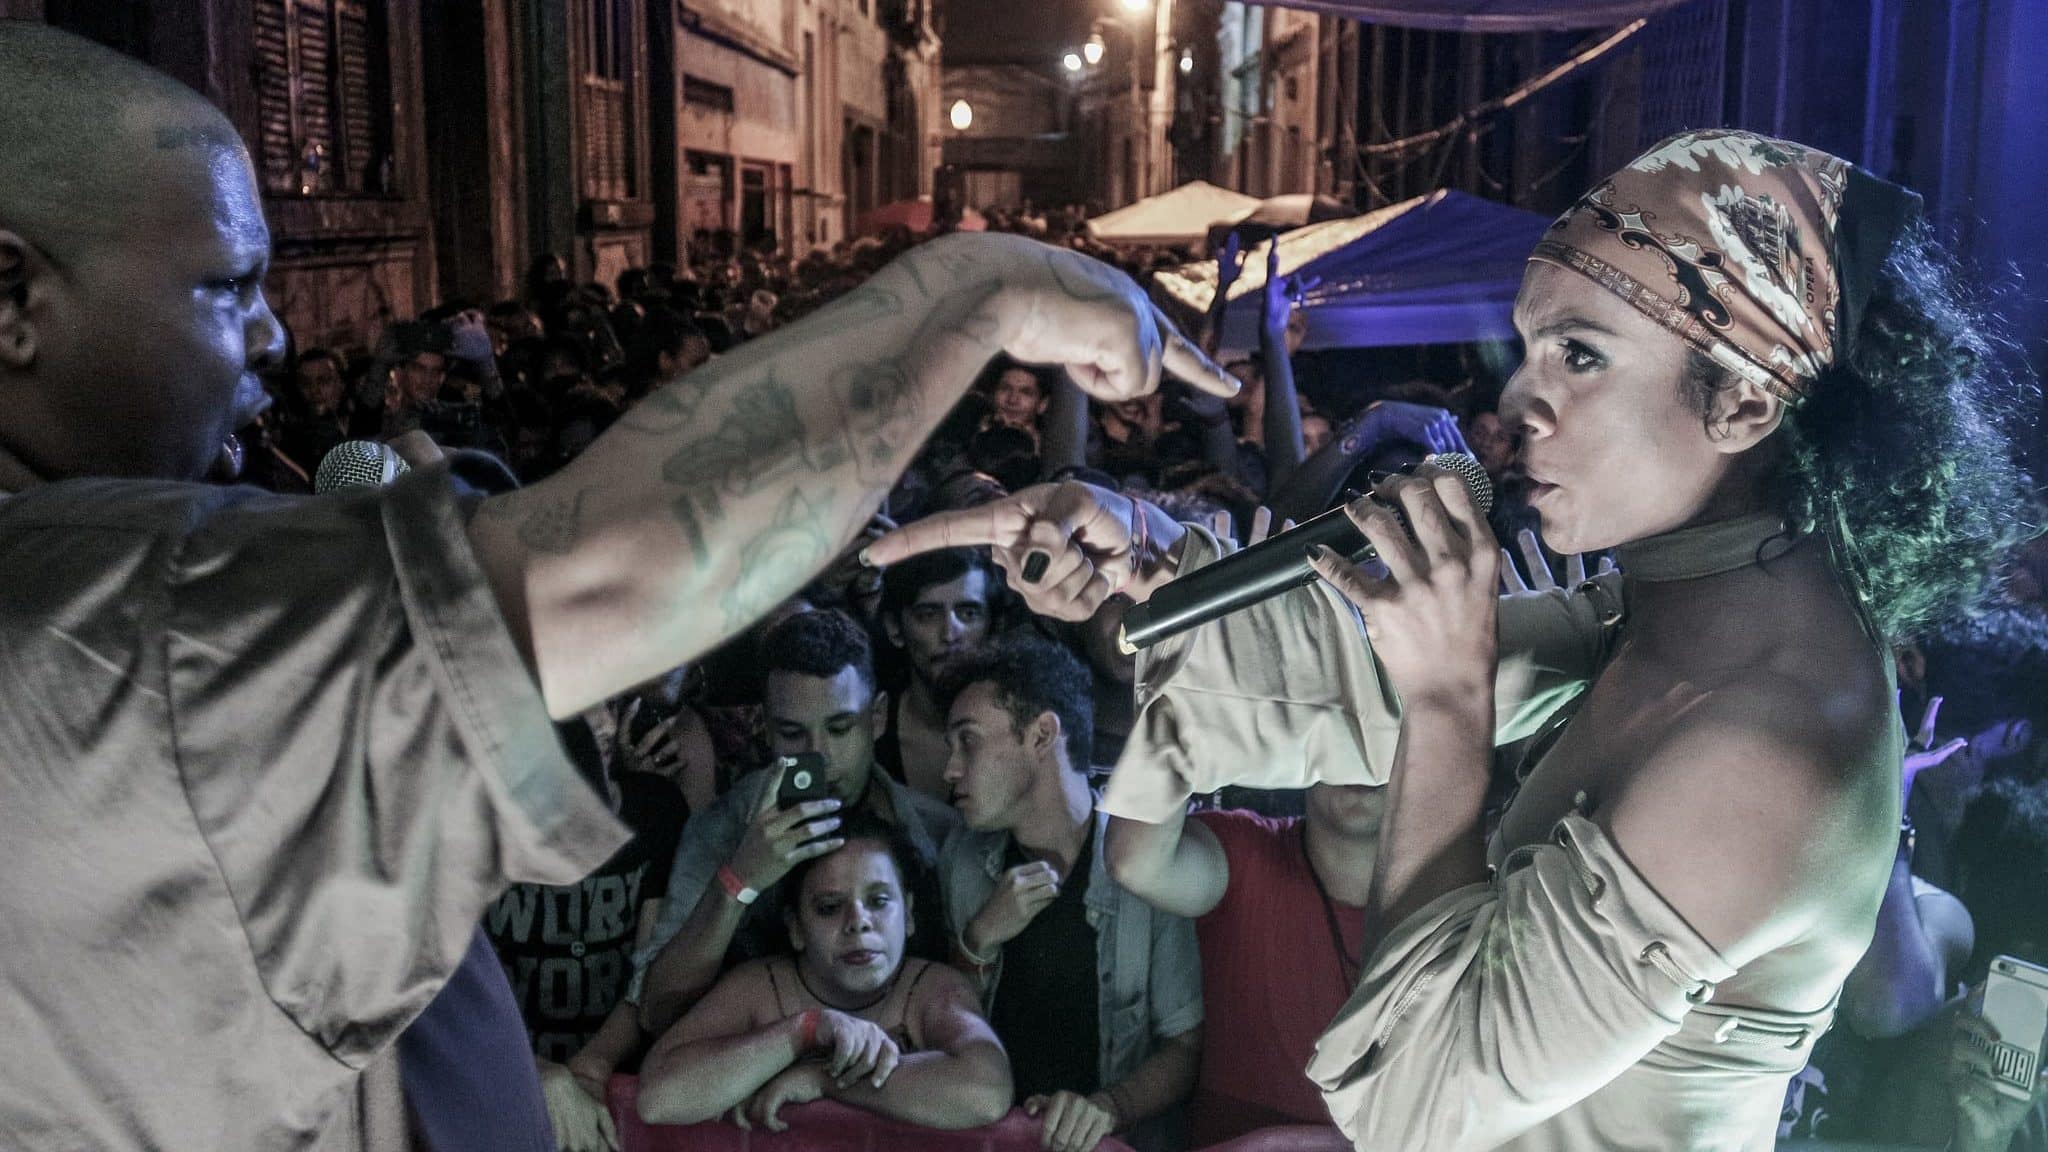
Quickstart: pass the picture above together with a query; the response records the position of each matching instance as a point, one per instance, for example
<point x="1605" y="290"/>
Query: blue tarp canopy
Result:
<point x="1439" y="269"/>
<point x="1484" y="15"/>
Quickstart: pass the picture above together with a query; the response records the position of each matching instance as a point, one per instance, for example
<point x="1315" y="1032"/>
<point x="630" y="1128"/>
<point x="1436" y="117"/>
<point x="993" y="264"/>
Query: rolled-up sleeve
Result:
<point x="1287" y="693"/>
<point x="366" y="754"/>
<point x="1500" y="1005"/>
<point x="1175" y="984"/>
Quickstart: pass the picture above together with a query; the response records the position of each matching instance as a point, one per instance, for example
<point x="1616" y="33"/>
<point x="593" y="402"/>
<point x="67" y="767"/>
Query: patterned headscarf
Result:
<point x="1760" y="253"/>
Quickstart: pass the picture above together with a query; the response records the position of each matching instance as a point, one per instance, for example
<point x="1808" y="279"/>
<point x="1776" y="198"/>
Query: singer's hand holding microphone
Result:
<point x="1431" y="618"/>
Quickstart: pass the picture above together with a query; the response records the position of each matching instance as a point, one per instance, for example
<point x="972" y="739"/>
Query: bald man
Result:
<point x="264" y="760"/>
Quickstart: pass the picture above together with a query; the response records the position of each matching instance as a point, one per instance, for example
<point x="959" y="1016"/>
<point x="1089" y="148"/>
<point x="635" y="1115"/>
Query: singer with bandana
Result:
<point x="1749" y="370"/>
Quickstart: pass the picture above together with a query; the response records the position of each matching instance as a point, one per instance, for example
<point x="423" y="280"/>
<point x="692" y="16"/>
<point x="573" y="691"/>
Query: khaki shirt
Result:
<point x="263" y="762"/>
<point x="1562" y="1005"/>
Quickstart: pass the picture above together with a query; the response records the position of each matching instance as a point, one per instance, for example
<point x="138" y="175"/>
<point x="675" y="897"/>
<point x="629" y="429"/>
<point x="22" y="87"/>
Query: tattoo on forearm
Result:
<point x="882" y="407"/>
<point x="797" y="541"/>
<point x="541" y="523"/>
<point x="748" y="448"/>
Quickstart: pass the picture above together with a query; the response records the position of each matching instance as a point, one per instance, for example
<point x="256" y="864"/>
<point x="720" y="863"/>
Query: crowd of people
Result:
<point x="952" y="928"/>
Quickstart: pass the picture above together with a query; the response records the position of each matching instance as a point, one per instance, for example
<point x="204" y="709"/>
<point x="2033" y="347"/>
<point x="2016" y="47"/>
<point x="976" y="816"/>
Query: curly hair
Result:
<point x="818" y="644"/>
<point x="1032" y="676"/>
<point x="1901" y="456"/>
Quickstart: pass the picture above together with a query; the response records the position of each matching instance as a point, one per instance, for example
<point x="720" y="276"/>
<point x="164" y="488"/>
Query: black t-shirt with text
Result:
<point x="568" y="950"/>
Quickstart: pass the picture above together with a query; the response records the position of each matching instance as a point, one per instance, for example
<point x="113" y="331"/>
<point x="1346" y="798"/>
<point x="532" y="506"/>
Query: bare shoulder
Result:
<point x="944" y="988"/>
<point x="945" y="1009"/>
<point x="742" y="999"/>
<point x="1766" y="807"/>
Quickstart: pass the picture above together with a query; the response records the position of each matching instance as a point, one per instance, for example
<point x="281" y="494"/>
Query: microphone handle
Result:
<point x="1275" y="565"/>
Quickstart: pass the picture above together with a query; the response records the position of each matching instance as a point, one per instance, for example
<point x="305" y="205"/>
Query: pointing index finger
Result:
<point x="964" y="528"/>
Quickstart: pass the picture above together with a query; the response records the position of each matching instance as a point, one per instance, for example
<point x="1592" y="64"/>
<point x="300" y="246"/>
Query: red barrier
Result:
<point x="825" y="1126"/>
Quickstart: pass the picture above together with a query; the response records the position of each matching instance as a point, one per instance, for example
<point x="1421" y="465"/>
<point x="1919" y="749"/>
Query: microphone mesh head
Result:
<point x="1472" y="473"/>
<point x="358" y="464"/>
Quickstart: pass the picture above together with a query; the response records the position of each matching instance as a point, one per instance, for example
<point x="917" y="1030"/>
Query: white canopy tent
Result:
<point x="1182" y="216"/>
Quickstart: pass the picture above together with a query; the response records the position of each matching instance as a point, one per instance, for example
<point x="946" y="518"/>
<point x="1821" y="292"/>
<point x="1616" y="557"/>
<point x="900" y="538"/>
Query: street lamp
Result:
<point x="1093" y="49"/>
<point x="1187" y="61"/>
<point x="962" y="115"/>
<point x="1071" y="61"/>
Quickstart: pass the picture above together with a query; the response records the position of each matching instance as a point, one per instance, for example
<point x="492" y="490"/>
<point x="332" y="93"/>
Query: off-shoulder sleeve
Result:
<point x="1500" y="1005"/>
<point x="1287" y="693"/>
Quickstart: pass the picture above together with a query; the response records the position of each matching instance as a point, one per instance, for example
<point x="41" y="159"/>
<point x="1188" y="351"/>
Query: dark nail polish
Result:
<point x="1035" y="566"/>
<point x="1317" y="552"/>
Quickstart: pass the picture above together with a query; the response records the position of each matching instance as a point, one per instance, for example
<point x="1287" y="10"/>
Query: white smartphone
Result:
<point x="2016" y="1003"/>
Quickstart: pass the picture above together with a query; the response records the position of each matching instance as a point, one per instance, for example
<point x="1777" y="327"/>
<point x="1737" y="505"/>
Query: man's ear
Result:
<point x="17" y="329"/>
<point x="1745" y="413"/>
<point x="878" y="712"/>
<point x="893" y="627"/>
<point x="1046" y="733"/>
<point x="795" y="924"/>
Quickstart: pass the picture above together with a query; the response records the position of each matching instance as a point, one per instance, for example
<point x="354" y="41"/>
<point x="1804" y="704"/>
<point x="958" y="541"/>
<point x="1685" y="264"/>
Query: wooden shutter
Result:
<point x="316" y="90"/>
<point x="277" y="154"/>
<point x="356" y="61"/>
<point x="604" y="70"/>
<point x="322" y="121"/>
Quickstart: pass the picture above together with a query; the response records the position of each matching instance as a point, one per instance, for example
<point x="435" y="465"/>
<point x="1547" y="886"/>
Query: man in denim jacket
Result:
<point x="1097" y="997"/>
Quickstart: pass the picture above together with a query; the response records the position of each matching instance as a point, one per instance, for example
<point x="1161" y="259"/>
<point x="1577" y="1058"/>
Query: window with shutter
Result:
<point x="323" y="96"/>
<point x="606" y="122"/>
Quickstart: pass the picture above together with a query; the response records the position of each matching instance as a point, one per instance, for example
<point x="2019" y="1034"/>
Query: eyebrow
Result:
<point x="1573" y="324"/>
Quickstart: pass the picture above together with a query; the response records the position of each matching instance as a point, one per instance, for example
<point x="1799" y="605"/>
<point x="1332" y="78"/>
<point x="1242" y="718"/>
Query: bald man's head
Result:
<point x="80" y="127"/>
<point x="132" y="250"/>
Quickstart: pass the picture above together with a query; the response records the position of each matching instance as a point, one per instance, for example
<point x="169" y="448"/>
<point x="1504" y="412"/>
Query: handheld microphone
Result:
<point x="358" y="464"/>
<point x="1273" y="566"/>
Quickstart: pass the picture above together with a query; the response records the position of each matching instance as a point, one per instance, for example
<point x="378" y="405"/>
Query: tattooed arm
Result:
<point x="724" y="491"/>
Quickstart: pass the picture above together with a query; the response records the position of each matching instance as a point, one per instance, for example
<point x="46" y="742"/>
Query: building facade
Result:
<point x="418" y="151"/>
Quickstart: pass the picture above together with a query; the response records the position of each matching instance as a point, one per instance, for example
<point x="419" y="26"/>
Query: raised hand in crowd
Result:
<point x="1280" y="295"/>
<point x="1071" y="1122"/>
<point x="1537" y="558"/>
<point x="1921" y="753"/>
<point x="1434" y="428"/>
<point x="469" y="337"/>
<point x="1229" y="264"/>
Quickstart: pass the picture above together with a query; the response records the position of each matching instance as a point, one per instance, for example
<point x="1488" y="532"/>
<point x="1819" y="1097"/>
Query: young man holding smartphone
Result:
<point x="821" y="703"/>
